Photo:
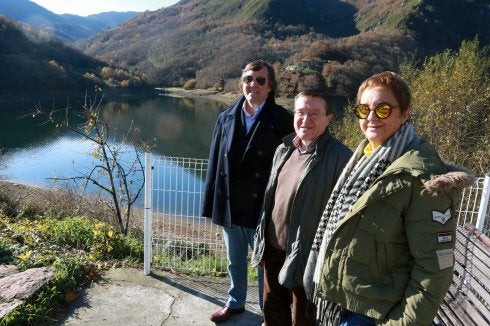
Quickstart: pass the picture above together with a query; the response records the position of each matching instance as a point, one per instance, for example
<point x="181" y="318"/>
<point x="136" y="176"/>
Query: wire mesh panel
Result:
<point x="182" y="239"/>
<point x="475" y="201"/>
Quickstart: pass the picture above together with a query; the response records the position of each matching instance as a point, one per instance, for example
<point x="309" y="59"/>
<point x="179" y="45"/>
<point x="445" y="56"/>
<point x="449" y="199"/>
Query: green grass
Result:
<point x="308" y="71"/>
<point x="194" y="258"/>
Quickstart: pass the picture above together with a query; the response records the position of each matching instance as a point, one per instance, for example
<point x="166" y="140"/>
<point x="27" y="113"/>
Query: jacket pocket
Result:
<point x="291" y="273"/>
<point x="366" y="273"/>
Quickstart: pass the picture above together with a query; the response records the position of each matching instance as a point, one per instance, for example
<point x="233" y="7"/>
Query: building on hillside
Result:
<point x="308" y="63"/>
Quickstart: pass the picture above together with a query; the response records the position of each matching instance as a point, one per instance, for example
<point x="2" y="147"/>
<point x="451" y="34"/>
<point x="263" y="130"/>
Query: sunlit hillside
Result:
<point x="331" y="41"/>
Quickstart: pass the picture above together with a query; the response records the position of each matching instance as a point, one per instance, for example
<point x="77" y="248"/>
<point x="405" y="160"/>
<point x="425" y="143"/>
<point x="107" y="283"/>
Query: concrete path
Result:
<point x="125" y="296"/>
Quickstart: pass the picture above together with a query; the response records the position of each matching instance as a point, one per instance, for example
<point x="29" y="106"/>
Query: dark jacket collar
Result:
<point x="237" y="106"/>
<point x="318" y="143"/>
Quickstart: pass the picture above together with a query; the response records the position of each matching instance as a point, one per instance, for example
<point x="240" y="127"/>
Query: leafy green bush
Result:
<point x="95" y="238"/>
<point x="126" y="248"/>
<point x="75" y="247"/>
<point x="451" y="104"/>
<point x="75" y="232"/>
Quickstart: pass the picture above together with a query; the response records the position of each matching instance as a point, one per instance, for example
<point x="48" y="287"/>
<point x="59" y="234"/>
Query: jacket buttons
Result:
<point x="259" y="153"/>
<point x="255" y="195"/>
<point x="257" y="175"/>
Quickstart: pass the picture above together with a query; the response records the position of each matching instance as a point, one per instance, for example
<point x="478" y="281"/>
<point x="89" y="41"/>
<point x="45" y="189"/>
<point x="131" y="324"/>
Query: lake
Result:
<point x="34" y="151"/>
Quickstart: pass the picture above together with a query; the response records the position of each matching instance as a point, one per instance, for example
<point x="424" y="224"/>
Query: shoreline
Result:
<point x="226" y="97"/>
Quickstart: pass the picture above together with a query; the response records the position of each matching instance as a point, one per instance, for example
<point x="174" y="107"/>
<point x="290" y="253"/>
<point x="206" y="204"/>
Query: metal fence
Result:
<point x="178" y="238"/>
<point x="473" y="207"/>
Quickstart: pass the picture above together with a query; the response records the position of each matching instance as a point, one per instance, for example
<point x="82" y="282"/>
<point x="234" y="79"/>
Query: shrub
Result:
<point x="6" y="254"/>
<point x="75" y="232"/>
<point x="190" y="84"/>
<point x="73" y="246"/>
<point x="451" y="104"/>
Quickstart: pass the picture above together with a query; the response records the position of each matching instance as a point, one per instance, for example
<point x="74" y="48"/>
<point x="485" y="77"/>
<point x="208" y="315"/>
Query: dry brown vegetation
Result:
<point x="209" y="41"/>
<point x="57" y="202"/>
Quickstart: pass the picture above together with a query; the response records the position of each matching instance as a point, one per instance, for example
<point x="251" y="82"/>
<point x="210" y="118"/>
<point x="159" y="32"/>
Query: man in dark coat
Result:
<point x="240" y="159"/>
<point x="304" y="171"/>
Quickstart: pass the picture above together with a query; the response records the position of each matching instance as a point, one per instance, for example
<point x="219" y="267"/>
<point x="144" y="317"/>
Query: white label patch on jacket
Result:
<point x="443" y="237"/>
<point x="445" y="258"/>
<point x="441" y="217"/>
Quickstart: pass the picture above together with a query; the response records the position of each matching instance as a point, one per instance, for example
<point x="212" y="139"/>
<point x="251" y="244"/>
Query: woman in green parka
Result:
<point x="383" y="251"/>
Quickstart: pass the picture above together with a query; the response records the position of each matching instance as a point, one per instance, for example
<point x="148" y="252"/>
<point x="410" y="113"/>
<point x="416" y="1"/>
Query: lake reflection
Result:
<point x="182" y="127"/>
<point x="33" y="151"/>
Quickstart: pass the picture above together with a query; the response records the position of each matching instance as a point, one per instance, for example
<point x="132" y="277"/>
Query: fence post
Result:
<point x="482" y="212"/>
<point x="148" y="213"/>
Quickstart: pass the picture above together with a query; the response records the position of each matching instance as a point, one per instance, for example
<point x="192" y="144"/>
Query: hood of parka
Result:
<point x="437" y="176"/>
<point x="458" y="177"/>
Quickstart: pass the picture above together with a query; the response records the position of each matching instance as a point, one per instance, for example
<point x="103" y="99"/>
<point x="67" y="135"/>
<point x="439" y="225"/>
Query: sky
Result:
<point x="89" y="7"/>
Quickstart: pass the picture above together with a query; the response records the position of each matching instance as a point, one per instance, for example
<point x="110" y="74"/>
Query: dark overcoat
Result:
<point x="236" y="180"/>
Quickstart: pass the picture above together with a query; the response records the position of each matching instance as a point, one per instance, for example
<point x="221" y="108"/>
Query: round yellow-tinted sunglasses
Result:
<point x="382" y="110"/>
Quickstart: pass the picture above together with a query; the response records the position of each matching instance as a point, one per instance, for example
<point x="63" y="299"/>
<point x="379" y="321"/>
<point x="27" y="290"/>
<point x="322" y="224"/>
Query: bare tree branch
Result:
<point x="122" y="181"/>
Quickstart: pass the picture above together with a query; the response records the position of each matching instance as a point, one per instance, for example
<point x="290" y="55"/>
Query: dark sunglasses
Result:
<point x="382" y="110"/>
<point x="248" y="79"/>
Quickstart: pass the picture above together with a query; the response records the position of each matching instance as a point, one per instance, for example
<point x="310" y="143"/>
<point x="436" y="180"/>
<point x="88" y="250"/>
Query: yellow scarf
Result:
<point x="368" y="150"/>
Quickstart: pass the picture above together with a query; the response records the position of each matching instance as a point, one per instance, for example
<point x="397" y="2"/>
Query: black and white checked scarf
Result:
<point x="358" y="175"/>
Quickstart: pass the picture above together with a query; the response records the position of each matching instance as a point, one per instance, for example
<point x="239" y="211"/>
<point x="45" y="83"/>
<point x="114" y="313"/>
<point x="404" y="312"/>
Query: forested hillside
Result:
<point x="204" y="43"/>
<point x="334" y="42"/>
<point x="33" y="60"/>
